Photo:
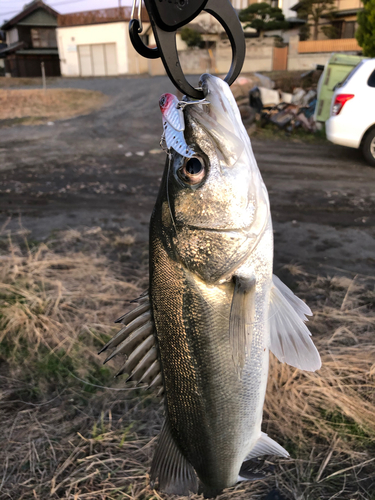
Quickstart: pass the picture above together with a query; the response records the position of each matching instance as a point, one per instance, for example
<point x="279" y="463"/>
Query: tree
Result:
<point x="304" y="32"/>
<point x="366" y="28"/>
<point x="263" y="17"/>
<point x="314" y="10"/>
<point x="191" y="37"/>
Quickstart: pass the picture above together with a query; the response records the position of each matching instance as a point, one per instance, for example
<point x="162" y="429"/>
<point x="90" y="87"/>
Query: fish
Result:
<point x="201" y="334"/>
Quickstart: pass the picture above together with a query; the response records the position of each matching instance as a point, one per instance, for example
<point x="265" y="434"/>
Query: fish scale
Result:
<point x="196" y="347"/>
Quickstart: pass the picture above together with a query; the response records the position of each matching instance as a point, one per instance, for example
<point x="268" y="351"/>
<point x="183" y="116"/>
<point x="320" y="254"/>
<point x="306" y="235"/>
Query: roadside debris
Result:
<point x="291" y="115"/>
<point x="265" y="81"/>
<point x="260" y="102"/>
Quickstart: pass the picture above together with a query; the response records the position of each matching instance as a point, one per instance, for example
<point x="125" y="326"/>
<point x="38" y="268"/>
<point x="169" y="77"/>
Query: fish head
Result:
<point x="216" y="203"/>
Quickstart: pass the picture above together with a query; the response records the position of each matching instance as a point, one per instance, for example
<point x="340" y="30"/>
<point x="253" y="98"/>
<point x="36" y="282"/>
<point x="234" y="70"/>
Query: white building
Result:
<point x="241" y="4"/>
<point x="96" y="43"/>
<point x="284" y="5"/>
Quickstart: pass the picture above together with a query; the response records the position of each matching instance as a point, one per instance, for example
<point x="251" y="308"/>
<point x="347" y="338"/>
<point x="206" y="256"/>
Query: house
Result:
<point x="31" y="40"/>
<point x="343" y="23"/>
<point x="284" y="5"/>
<point x="96" y="43"/>
<point x="3" y="45"/>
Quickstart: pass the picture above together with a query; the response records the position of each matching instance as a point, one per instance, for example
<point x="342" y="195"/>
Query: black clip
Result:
<point x="166" y="16"/>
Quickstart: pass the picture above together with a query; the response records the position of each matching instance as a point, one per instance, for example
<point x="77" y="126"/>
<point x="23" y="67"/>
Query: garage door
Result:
<point x="98" y="59"/>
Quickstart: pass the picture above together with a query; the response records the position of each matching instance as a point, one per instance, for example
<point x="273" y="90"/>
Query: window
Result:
<point x="12" y="36"/>
<point x="371" y="80"/>
<point x="336" y="29"/>
<point x="348" y="29"/>
<point x="353" y="71"/>
<point x="43" y="38"/>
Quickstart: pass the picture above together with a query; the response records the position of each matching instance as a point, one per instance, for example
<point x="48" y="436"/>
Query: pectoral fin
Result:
<point x="242" y="319"/>
<point x="170" y="468"/>
<point x="266" y="446"/>
<point x="290" y="339"/>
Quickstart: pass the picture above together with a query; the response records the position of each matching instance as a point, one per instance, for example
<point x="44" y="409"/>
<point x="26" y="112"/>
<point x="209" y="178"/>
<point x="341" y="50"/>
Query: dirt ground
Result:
<point x="38" y="106"/>
<point x="87" y="186"/>
<point x="103" y="169"/>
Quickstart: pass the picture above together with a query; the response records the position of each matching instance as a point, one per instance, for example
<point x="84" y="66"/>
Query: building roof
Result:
<point x="338" y="13"/>
<point x="98" y="16"/>
<point x="28" y="11"/>
<point x="34" y="52"/>
<point x="347" y="12"/>
<point x="8" y="49"/>
<point x="296" y="7"/>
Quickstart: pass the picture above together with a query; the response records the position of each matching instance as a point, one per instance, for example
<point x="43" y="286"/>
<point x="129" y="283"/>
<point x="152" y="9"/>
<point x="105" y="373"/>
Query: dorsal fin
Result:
<point x="137" y="341"/>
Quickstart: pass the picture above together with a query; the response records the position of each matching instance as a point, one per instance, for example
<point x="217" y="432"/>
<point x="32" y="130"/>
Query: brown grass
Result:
<point x="7" y="82"/>
<point x="36" y="106"/>
<point x="70" y="431"/>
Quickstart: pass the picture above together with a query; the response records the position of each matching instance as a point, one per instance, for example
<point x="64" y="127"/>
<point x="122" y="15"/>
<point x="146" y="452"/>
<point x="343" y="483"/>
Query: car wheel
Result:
<point x="368" y="148"/>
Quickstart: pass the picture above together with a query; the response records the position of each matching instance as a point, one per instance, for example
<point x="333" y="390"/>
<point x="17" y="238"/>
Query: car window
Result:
<point x="354" y="70"/>
<point x="371" y="80"/>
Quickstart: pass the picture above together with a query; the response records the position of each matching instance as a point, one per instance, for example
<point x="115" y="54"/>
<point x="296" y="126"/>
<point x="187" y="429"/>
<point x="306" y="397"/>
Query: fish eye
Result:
<point x="193" y="170"/>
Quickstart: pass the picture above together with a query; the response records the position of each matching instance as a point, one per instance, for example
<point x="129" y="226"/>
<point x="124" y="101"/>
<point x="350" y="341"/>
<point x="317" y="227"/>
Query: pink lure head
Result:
<point x="166" y="102"/>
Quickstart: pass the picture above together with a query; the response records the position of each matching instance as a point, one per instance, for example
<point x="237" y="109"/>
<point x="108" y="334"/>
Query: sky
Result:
<point x="9" y="8"/>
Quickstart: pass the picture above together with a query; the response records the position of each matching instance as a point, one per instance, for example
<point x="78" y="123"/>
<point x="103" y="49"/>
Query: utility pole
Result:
<point x="43" y="77"/>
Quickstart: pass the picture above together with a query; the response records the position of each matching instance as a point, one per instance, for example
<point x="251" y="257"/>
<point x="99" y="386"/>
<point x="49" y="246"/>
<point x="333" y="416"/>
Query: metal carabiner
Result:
<point x="167" y="16"/>
<point x="135" y="29"/>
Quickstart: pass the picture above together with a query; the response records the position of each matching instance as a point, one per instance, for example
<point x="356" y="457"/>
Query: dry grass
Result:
<point x="36" y="106"/>
<point x="66" y="436"/>
<point x="7" y="82"/>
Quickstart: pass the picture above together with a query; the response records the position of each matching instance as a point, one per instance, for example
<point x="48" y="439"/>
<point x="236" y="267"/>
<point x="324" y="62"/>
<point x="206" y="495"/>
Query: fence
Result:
<point x="339" y="45"/>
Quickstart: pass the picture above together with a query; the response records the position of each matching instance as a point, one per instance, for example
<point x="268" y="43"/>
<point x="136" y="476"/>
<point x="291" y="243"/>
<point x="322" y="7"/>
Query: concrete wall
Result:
<point x="307" y="61"/>
<point x="69" y="37"/>
<point x="259" y="57"/>
<point x="298" y="61"/>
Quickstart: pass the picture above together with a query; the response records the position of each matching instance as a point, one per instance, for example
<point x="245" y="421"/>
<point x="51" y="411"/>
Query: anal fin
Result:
<point x="241" y="319"/>
<point x="174" y="474"/>
<point x="290" y="339"/>
<point x="266" y="446"/>
<point x="254" y="470"/>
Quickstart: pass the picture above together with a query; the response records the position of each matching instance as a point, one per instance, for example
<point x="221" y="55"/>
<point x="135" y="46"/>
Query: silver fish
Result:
<point x="203" y="332"/>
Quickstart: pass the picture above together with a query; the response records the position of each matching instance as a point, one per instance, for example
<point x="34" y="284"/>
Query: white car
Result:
<point x="352" y="121"/>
